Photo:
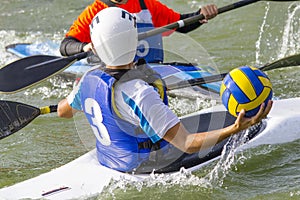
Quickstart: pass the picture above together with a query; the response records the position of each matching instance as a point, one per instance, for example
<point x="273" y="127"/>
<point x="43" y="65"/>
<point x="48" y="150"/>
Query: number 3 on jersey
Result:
<point x="94" y="115"/>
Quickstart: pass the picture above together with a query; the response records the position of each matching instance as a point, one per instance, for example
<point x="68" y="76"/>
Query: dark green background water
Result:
<point x="254" y="35"/>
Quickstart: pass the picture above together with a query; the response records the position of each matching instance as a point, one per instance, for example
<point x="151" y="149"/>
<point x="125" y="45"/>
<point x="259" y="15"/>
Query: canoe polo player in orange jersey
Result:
<point x="149" y="14"/>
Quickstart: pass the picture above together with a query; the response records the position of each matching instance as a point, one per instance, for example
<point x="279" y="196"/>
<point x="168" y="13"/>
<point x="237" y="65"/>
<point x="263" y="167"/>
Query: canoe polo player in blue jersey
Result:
<point x="126" y="104"/>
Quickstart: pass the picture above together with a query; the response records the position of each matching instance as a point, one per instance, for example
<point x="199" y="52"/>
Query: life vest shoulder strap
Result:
<point x="147" y="74"/>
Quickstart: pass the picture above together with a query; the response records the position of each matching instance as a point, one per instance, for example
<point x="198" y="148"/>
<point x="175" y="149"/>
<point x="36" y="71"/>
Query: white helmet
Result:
<point x="114" y="36"/>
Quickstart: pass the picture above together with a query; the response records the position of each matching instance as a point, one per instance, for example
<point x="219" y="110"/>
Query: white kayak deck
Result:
<point x="85" y="177"/>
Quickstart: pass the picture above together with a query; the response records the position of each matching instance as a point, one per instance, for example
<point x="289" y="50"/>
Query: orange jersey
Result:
<point x="161" y="15"/>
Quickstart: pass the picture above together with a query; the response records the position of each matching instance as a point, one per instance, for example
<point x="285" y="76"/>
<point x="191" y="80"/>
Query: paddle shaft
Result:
<point x="194" y="19"/>
<point x="48" y="109"/>
<point x="289" y="61"/>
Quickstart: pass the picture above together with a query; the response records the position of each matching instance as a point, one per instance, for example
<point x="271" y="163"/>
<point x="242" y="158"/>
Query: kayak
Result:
<point x="85" y="177"/>
<point x="171" y="72"/>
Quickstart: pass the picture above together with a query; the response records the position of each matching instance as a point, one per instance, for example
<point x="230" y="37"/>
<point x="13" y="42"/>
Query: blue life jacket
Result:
<point x="120" y="144"/>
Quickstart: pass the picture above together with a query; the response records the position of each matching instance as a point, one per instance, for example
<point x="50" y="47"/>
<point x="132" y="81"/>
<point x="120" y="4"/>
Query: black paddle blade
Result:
<point x="29" y="71"/>
<point x="14" y="116"/>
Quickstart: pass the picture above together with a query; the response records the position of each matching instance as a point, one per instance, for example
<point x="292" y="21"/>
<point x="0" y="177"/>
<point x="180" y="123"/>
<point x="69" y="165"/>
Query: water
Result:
<point x="253" y="35"/>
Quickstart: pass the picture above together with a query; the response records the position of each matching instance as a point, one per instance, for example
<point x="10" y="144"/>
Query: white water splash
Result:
<point x="295" y="194"/>
<point x="262" y="29"/>
<point x="291" y="35"/>
<point x="227" y="159"/>
<point x="166" y="181"/>
<point x="182" y="105"/>
<point x="55" y="87"/>
<point x="8" y="37"/>
<point x="279" y="35"/>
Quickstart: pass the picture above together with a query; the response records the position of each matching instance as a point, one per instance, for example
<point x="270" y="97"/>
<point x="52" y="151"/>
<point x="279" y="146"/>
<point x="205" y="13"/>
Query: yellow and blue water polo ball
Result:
<point x="245" y="88"/>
